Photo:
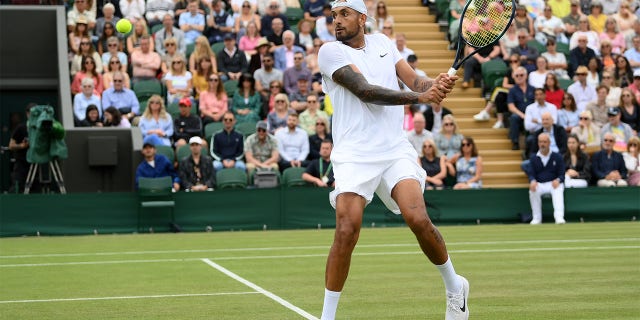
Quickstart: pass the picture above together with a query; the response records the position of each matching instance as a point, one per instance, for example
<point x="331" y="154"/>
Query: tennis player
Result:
<point x="371" y="152"/>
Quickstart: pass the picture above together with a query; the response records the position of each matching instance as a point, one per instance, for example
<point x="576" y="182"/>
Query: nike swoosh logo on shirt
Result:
<point x="464" y="305"/>
<point x="382" y="55"/>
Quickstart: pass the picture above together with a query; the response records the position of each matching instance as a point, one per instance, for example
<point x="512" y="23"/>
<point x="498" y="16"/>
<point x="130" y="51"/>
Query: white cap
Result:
<point x="636" y="73"/>
<point x="357" y="5"/>
<point x="195" y="139"/>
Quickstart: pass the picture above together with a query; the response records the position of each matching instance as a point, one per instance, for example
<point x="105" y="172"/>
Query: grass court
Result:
<point x="574" y="271"/>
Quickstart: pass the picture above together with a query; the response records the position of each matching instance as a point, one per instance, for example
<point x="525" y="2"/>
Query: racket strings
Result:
<point x="485" y="20"/>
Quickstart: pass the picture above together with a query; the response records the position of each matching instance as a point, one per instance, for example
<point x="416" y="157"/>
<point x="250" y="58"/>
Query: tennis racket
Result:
<point x="482" y="23"/>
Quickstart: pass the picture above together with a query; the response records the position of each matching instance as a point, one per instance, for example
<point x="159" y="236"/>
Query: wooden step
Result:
<point x="504" y="177"/>
<point x="421" y="35"/>
<point x="401" y="26"/>
<point x="465" y="102"/>
<point x="491" y="144"/>
<point x="484" y="133"/>
<point x="400" y="12"/>
<point x="469" y="123"/>
<point x="501" y="165"/>
<point x="500" y="155"/>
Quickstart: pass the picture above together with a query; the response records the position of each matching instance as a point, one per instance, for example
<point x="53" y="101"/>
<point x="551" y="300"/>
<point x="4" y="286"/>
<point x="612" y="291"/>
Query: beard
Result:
<point x="346" y="35"/>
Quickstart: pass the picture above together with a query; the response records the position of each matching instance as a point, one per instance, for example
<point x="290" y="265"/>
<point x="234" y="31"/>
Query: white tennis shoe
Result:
<point x="482" y="116"/>
<point x="457" y="308"/>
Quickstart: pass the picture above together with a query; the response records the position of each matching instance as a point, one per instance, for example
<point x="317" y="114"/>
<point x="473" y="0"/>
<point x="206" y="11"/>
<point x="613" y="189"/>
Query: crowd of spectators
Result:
<point x="223" y="63"/>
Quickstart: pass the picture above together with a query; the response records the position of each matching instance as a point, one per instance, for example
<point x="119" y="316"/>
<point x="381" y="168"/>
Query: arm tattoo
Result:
<point x="359" y="86"/>
<point x="422" y="84"/>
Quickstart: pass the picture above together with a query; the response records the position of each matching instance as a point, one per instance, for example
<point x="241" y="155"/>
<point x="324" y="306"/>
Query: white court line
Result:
<point x="48" y="264"/>
<point x="51" y="255"/>
<point x="254" y="286"/>
<point x="130" y="297"/>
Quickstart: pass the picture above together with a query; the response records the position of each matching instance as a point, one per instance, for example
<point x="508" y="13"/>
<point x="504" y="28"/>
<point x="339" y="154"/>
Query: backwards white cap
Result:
<point x="357" y="5"/>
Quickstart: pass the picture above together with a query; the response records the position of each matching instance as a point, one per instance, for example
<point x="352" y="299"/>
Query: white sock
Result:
<point x="451" y="280"/>
<point x="330" y="304"/>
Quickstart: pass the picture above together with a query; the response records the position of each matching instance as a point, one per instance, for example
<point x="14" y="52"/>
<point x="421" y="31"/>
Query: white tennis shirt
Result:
<point x="364" y="132"/>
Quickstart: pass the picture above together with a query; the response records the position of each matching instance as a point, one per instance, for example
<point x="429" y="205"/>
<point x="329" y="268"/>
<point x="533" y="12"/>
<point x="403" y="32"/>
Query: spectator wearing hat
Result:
<point x="607" y="165"/>
<point x="155" y="165"/>
<point x="261" y="149"/>
<point x="266" y="74"/>
<point x="187" y="125"/>
<point x="227" y="147"/>
<point x="286" y="54"/>
<point x="621" y="131"/>
<point x="167" y="31"/>
<point x="293" y="74"/>
<point x="581" y="91"/>
<point x="262" y="49"/>
<point x="232" y="62"/>
<point x="196" y="170"/>
<point x="192" y="22"/>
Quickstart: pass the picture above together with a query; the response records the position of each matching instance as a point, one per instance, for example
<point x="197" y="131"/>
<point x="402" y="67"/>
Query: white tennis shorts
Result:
<point x="365" y="178"/>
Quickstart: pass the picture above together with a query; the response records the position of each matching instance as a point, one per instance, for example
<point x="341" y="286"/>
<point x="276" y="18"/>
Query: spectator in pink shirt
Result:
<point x="146" y="63"/>
<point x="213" y="101"/>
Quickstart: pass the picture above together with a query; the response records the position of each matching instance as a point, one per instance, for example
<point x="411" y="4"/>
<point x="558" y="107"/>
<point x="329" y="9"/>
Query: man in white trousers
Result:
<point x="546" y="177"/>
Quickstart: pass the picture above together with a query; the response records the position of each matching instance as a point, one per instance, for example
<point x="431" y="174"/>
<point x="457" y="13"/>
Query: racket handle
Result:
<point x="452" y="72"/>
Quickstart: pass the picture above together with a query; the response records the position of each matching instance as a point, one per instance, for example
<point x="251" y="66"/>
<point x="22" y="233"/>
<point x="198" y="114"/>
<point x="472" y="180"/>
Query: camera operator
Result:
<point x="19" y="144"/>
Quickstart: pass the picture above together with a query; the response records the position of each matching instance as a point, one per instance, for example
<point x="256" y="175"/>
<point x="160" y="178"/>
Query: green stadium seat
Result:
<point x="155" y="193"/>
<point x="563" y="48"/>
<point x="246" y="128"/>
<point x="535" y="44"/>
<point x="564" y="83"/>
<point x="144" y="89"/>
<point x="174" y="110"/>
<point x="492" y="70"/>
<point x="156" y="27"/>
<point x="231" y="179"/>
<point x="183" y="152"/>
<point x="166" y="151"/>
<point x="230" y="86"/>
<point x="211" y="128"/>
<point x="294" y="15"/>
<point x="190" y="48"/>
<point x="292" y="177"/>
<point x="217" y="47"/>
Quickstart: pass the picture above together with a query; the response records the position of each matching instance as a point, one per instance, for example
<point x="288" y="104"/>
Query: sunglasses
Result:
<point x="387" y="28"/>
<point x="514" y="61"/>
<point x="312" y="101"/>
<point x="319" y="123"/>
<point x="246" y="6"/>
<point x="585" y="118"/>
<point x="266" y="60"/>
<point x="609" y="140"/>
<point x="112" y="45"/>
<point x="177" y="62"/>
<point x="427" y="146"/>
<point x="261" y="130"/>
<point x="213" y="79"/>
<point x="626" y="95"/>
<point x="518" y="75"/>
<point x="117" y="80"/>
<point x="447" y="124"/>
<point x="84" y="43"/>
<point x="606" y="77"/>
<point x="581" y="74"/>
<point x="88" y="62"/>
<point x="297" y="58"/>
<point x="114" y="62"/>
<point x="169" y="44"/>
<point x="275" y="87"/>
<point x="280" y="101"/>
<point x="154" y="102"/>
<point x="227" y="120"/>
<point x="466" y="144"/>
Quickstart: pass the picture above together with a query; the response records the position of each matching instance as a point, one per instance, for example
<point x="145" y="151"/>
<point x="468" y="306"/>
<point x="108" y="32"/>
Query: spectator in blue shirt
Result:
<point x="155" y="165"/>
<point x="192" y="22"/>
<point x="156" y="121"/>
<point x="122" y="98"/>
<point x="313" y="9"/>
<point x="518" y="98"/>
<point x="227" y="146"/>
<point x="608" y="165"/>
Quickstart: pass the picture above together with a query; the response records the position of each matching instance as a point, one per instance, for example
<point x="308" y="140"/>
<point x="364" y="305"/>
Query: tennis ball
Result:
<point x="124" y="26"/>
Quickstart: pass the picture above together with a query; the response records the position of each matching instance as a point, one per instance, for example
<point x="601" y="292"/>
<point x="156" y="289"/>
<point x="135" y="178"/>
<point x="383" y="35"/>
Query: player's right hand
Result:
<point x="435" y="94"/>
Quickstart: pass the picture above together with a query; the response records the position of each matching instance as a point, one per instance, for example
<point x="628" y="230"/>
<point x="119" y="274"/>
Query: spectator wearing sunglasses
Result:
<point x="608" y="167"/>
